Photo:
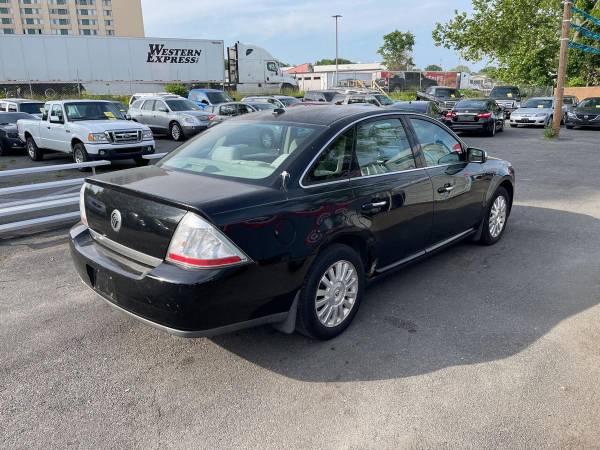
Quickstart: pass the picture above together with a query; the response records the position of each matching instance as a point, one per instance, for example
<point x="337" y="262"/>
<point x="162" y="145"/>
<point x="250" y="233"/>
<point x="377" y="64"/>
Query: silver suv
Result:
<point x="175" y="115"/>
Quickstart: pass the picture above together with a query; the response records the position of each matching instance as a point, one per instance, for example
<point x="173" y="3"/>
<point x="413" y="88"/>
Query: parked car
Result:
<point x="285" y="230"/>
<point x="509" y="97"/>
<point x="264" y="106"/>
<point x="585" y="114"/>
<point x="280" y="101"/>
<point x="86" y="129"/>
<point x="121" y="107"/>
<point x="445" y="97"/>
<point x="9" y="135"/>
<point x="208" y="97"/>
<point x="175" y="115"/>
<point x="228" y="110"/>
<point x="535" y="111"/>
<point x="23" y="105"/>
<point x="327" y="96"/>
<point x="477" y="114"/>
<point x="375" y="99"/>
<point x="426" y="107"/>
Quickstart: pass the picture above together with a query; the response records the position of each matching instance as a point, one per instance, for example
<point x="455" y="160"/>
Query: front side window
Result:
<point x="158" y="105"/>
<point x="382" y="146"/>
<point x="334" y="162"/>
<point x="228" y="110"/>
<point x="32" y="108"/>
<point x="245" y="150"/>
<point x="438" y="146"/>
<point x="57" y="112"/>
<point x="271" y="66"/>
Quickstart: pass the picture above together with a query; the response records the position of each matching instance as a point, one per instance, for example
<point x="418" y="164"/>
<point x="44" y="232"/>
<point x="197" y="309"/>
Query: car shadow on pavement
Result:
<point x="467" y="305"/>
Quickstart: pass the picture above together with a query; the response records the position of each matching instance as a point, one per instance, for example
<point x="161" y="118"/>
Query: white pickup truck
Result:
<point x="86" y="129"/>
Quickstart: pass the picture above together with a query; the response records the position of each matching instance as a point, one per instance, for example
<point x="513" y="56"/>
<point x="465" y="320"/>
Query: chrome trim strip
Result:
<point x="426" y="251"/>
<point x="125" y="251"/>
<point x="394" y="113"/>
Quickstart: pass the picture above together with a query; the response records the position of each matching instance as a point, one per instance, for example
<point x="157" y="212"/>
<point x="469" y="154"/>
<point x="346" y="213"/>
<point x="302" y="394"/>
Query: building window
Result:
<point x="88" y="22"/>
<point x="32" y="31"/>
<point x="29" y="11"/>
<point x="30" y="2"/>
<point x="60" y="21"/>
<point x="4" y="10"/>
<point x="57" y="2"/>
<point x="60" y="31"/>
<point x="108" y="23"/>
<point x="6" y="21"/>
<point x="30" y="21"/>
<point x="107" y="2"/>
<point x="110" y="32"/>
<point x="86" y="12"/>
<point x="60" y="11"/>
<point x="88" y="32"/>
<point x="108" y="12"/>
<point x="8" y="31"/>
<point x="86" y="2"/>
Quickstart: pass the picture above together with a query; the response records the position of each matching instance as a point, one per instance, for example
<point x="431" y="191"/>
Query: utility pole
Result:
<point x="336" y="17"/>
<point x="562" y="68"/>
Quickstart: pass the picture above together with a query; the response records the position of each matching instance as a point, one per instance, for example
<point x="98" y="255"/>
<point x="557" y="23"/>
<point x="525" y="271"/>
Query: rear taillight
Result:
<point x="211" y="117"/>
<point x="82" y="204"/>
<point x="484" y="115"/>
<point x="450" y="114"/>
<point x="197" y="244"/>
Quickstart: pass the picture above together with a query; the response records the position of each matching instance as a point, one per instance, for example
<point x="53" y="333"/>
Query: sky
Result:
<point x="299" y="31"/>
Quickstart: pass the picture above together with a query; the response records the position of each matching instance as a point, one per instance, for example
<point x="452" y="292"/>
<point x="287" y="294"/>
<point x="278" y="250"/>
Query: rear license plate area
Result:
<point x="466" y="118"/>
<point x="104" y="283"/>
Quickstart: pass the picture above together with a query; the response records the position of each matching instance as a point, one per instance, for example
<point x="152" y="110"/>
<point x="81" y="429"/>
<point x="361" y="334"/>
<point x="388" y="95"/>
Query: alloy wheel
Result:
<point x="30" y="150"/>
<point x="497" y="218"/>
<point x="336" y="293"/>
<point x="78" y="156"/>
<point x="175" y="132"/>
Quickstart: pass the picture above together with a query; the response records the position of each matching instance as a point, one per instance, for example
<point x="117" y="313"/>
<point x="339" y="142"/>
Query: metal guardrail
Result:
<point x="27" y="206"/>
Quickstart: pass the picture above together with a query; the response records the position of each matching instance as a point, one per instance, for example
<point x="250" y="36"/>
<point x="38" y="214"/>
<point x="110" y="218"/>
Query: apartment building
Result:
<point x="72" y="17"/>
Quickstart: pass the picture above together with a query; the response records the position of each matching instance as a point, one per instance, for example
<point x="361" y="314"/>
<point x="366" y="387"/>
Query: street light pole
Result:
<point x="336" y="17"/>
<point x="562" y="68"/>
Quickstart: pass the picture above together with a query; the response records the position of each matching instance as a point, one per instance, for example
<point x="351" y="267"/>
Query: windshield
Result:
<point x="505" y="92"/>
<point x="6" y="118"/>
<point x="538" y="103"/>
<point x="473" y="104"/>
<point x="182" y="105"/>
<point x="384" y="99"/>
<point x="218" y="97"/>
<point x="92" y="111"/>
<point x="590" y="103"/>
<point x="287" y="101"/>
<point x="452" y="93"/>
<point x="32" y="108"/>
<point x="246" y="150"/>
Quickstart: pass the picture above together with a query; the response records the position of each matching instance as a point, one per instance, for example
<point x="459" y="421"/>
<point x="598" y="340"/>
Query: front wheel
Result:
<point x="33" y="151"/>
<point x="494" y="222"/>
<point x="176" y="131"/>
<point x="80" y="156"/>
<point x="331" y="293"/>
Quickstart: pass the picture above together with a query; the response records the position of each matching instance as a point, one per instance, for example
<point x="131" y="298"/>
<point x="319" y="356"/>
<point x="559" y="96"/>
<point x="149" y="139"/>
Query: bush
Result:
<point x="177" y="89"/>
<point x="403" y="96"/>
<point x="549" y="133"/>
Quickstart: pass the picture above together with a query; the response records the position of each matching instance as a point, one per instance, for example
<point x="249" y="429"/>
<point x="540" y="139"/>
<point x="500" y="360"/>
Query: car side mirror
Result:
<point x="476" y="155"/>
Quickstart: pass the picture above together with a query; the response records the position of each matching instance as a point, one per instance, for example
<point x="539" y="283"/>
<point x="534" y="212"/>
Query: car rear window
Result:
<point x="505" y="92"/>
<point x="475" y="104"/>
<point x="245" y="150"/>
<point x="218" y="97"/>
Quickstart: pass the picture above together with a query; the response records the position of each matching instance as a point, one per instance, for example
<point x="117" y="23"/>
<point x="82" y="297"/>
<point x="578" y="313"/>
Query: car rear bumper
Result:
<point x="188" y="303"/>
<point x="468" y="125"/>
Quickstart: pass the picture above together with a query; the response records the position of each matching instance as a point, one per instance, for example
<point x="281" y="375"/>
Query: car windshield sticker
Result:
<point x="509" y="95"/>
<point x="541" y="106"/>
<point x="110" y="115"/>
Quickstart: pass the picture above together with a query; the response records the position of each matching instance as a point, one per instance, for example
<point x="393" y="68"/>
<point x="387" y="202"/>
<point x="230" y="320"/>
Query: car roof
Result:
<point x="163" y="97"/>
<point x="20" y="100"/>
<point x="325" y="115"/>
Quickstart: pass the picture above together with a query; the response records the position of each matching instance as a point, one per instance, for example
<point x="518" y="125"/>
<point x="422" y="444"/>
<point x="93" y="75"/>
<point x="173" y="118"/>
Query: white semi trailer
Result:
<point x="111" y="65"/>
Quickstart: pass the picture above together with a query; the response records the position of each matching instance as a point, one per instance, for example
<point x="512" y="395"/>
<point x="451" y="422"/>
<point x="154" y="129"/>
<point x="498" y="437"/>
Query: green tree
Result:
<point x="522" y="36"/>
<point x="461" y="68"/>
<point x="331" y="62"/>
<point x="396" y="50"/>
<point x="177" y="89"/>
<point x="433" y="68"/>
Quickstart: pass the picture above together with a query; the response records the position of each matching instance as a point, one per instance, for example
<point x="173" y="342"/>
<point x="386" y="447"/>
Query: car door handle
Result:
<point x="374" y="205"/>
<point x="445" y="188"/>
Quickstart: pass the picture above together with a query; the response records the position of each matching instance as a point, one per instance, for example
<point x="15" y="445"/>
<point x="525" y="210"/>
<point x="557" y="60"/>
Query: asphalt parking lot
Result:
<point x="478" y="347"/>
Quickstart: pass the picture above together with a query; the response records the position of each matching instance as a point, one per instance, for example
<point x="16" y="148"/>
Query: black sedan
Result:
<point x="426" y="107"/>
<point x="585" y="114"/>
<point x="476" y="114"/>
<point x="282" y="217"/>
<point x="9" y="137"/>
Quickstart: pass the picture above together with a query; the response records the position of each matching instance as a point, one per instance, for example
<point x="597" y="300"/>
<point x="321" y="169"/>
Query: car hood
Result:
<point x="533" y="111"/>
<point x="209" y="195"/>
<point x="110" y="125"/>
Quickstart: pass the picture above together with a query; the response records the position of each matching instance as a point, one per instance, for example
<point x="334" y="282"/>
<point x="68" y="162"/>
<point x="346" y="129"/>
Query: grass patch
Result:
<point x="549" y="133"/>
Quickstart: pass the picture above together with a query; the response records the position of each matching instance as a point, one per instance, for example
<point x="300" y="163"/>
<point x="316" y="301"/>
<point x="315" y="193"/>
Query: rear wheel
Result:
<point x="33" y="151"/>
<point x="176" y="131"/>
<point x="496" y="216"/>
<point x="491" y="132"/>
<point x="331" y="293"/>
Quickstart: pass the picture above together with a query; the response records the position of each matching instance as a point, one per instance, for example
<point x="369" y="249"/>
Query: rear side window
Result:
<point x="438" y="146"/>
<point x="382" y="146"/>
<point x="137" y="104"/>
<point x="148" y="105"/>
<point x="12" y="107"/>
<point x="334" y="162"/>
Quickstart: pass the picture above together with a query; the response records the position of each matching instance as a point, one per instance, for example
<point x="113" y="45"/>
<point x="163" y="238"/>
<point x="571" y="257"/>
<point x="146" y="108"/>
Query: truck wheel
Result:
<point x="33" y="151"/>
<point x="176" y="132"/>
<point x="80" y="155"/>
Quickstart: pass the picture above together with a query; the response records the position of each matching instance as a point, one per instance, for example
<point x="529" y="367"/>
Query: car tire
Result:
<point x="80" y="155"/>
<point x="548" y="123"/>
<point x="141" y="162"/>
<point x="501" y="127"/>
<point x="33" y="151"/>
<point x="491" y="132"/>
<point x="496" y="217"/>
<point x="1" y="149"/>
<point x="513" y="125"/>
<point x="569" y="127"/>
<point x="325" y="313"/>
<point x="176" y="132"/>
